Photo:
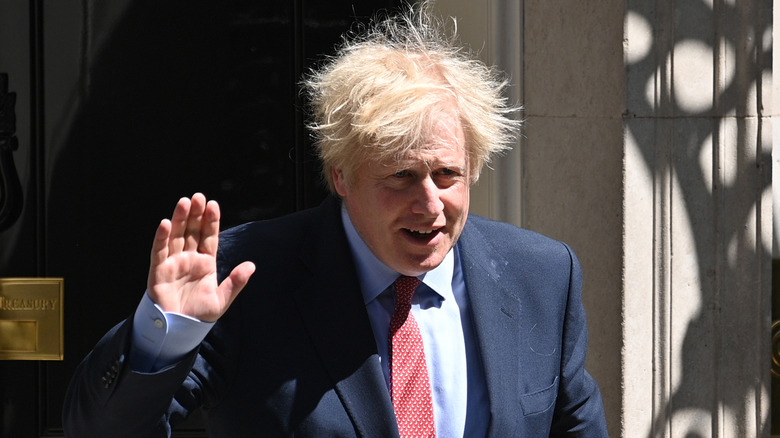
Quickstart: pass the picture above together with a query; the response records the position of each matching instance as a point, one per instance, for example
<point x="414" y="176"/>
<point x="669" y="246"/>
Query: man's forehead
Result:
<point x="449" y="156"/>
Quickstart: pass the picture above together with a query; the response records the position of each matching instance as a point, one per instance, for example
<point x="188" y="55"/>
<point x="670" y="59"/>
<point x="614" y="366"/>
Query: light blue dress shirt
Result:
<point x="161" y="339"/>
<point x="440" y="306"/>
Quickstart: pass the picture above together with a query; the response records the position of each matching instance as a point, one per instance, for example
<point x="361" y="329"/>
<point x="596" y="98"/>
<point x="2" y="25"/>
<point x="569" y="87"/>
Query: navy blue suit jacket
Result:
<point x="295" y="354"/>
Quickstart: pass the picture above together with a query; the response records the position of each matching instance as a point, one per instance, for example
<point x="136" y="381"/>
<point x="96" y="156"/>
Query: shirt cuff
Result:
<point x="163" y="338"/>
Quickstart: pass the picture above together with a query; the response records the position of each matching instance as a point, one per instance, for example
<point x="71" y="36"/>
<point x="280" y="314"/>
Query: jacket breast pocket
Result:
<point x="539" y="401"/>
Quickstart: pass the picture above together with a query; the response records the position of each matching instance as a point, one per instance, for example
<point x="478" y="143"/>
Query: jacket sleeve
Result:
<point x="106" y="398"/>
<point x="579" y="410"/>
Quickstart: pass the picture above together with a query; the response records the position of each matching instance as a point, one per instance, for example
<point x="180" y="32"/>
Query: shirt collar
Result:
<point x="375" y="276"/>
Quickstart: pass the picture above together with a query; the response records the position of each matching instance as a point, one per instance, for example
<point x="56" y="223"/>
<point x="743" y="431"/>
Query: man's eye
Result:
<point x="449" y="172"/>
<point x="401" y="173"/>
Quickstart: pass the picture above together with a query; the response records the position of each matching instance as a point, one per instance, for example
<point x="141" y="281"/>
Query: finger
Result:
<point x="159" y="253"/>
<point x="236" y="281"/>
<point x="210" y="229"/>
<point x="160" y="243"/>
<point x="192" y="233"/>
<point x="178" y="226"/>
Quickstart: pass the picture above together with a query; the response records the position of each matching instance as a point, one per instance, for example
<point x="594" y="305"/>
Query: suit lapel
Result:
<point x="335" y="316"/>
<point x="495" y="311"/>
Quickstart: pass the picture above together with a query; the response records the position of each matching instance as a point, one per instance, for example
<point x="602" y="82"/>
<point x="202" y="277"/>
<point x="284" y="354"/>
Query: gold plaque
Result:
<point x="31" y="319"/>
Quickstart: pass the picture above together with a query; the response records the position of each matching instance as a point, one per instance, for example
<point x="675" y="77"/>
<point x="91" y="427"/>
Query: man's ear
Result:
<point x="339" y="181"/>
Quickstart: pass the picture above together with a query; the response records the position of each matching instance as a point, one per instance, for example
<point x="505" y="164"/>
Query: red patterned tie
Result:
<point x="409" y="387"/>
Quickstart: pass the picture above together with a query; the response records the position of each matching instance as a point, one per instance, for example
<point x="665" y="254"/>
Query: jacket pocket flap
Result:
<point x="539" y="401"/>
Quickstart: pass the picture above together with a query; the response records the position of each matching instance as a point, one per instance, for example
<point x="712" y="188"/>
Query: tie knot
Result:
<point x="404" y="289"/>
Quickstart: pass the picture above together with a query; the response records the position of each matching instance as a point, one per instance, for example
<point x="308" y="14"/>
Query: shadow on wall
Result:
<point x="712" y="160"/>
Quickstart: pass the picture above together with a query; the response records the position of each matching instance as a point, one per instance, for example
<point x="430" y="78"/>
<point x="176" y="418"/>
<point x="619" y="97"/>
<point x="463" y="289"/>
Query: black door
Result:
<point x="114" y="110"/>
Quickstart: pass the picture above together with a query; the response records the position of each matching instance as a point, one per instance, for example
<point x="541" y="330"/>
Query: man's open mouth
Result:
<point x="423" y="234"/>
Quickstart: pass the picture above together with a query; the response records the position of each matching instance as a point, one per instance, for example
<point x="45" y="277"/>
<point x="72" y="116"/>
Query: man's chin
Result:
<point x="420" y="267"/>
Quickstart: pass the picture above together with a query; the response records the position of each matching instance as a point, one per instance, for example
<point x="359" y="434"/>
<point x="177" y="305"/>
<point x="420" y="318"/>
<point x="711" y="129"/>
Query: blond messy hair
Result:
<point x="379" y="96"/>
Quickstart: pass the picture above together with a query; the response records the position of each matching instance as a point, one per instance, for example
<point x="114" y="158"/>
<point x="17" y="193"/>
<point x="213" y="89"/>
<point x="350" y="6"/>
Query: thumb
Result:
<point x="235" y="282"/>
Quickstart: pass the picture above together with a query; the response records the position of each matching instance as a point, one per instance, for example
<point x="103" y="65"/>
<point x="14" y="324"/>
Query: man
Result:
<point x="493" y="328"/>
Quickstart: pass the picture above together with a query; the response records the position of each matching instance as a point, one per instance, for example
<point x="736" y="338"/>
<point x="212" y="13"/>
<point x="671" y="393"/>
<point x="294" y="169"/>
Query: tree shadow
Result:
<point x="710" y="382"/>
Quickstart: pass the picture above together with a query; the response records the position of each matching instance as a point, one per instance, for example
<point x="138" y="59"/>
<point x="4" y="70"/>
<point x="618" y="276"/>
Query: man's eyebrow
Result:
<point x="450" y="164"/>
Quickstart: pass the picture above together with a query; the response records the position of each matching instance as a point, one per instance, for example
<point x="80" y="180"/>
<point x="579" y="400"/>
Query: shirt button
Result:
<point x="158" y="323"/>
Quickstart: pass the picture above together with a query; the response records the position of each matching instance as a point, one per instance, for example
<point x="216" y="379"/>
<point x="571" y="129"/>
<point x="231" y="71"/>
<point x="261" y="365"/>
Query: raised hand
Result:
<point x="183" y="268"/>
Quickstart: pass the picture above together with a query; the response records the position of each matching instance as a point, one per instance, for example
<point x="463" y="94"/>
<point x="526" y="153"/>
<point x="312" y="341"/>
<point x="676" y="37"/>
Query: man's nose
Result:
<point x="427" y="199"/>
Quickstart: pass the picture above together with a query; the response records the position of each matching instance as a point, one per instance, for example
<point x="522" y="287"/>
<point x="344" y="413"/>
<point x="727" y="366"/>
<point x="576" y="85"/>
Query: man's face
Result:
<point x="411" y="212"/>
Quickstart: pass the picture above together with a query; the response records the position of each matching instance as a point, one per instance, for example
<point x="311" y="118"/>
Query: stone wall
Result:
<point x="647" y="147"/>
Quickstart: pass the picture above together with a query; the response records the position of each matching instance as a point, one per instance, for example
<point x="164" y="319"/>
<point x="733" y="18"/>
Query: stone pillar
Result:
<point x="647" y="147"/>
<point x="573" y="160"/>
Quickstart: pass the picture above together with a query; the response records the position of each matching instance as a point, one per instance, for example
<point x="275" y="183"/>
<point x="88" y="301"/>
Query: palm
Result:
<point x="183" y="274"/>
